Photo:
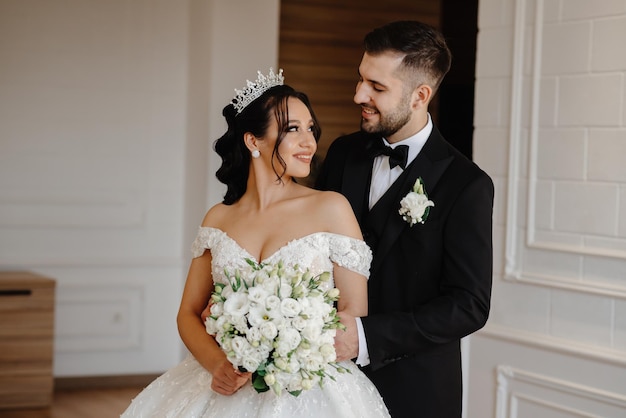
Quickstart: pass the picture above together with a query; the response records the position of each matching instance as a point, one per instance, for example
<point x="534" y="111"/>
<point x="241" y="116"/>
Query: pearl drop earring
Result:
<point x="256" y="153"/>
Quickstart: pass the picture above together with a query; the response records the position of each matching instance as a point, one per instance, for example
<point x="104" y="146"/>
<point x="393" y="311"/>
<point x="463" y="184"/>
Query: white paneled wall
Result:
<point x="551" y="129"/>
<point x="107" y="114"/>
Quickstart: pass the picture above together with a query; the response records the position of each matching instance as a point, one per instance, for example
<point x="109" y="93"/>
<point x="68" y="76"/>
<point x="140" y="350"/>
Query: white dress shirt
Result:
<point x="382" y="178"/>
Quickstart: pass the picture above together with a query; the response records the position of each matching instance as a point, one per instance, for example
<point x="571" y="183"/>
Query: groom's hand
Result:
<point x="347" y="342"/>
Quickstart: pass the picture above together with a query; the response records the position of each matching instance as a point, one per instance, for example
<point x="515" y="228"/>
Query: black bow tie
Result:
<point x="398" y="156"/>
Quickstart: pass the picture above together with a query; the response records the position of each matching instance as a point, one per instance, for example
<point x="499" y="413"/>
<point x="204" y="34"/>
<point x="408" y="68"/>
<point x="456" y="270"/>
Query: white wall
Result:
<point x="108" y="110"/>
<point x="551" y="129"/>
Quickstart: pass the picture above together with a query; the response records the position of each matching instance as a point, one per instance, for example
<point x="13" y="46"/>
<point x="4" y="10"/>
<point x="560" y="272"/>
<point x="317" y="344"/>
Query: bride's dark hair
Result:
<point x="255" y="118"/>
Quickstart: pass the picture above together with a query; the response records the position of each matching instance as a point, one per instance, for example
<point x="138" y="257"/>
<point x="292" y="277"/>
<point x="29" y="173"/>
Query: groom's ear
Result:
<point x="421" y="96"/>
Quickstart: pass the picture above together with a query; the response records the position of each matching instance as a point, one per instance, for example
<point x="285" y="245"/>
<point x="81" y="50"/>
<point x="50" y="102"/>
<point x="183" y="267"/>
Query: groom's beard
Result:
<point x="390" y="123"/>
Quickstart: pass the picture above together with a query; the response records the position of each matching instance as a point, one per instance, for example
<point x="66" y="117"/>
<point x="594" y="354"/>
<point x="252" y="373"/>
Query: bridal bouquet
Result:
<point x="277" y="322"/>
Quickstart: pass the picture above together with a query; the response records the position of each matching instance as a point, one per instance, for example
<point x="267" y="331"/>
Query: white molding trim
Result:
<point x="554" y="344"/>
<point x="568" y="283"/>
<point x="534" y="123"/>
<point x="507" y="374"/>
<point x="130" y="297"/>
<point x="514" y="137"/>
<point x="516" y="396"/>
<point x="514" y="270"/>
<point x="90" y="262"/>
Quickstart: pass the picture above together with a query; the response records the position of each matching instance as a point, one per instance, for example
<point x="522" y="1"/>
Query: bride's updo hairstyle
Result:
<point x="255" y="118"/>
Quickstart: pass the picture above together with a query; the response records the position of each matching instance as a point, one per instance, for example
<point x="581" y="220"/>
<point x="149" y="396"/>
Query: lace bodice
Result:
<point x="185" y="389"/>
<point x="316" y="251"/>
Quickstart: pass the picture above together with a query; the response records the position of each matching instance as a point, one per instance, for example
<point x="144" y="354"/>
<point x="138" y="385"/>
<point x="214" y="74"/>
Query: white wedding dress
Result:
<point x="185" y="390"/>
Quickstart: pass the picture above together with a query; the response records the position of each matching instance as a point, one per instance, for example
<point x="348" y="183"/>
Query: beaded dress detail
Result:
<point x="184" y="391"/>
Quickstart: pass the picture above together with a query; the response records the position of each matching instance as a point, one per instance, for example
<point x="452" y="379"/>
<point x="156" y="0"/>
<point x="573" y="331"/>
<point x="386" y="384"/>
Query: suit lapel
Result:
<point x="430" y="164"/>
<point x="356" y="183"/>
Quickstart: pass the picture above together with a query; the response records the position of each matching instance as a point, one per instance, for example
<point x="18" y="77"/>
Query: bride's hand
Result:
<point x="228" y="380"/>
<point x="207" y="311"/>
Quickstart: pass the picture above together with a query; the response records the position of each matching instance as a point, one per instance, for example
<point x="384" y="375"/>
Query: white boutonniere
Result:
<point x="414" y="207"/>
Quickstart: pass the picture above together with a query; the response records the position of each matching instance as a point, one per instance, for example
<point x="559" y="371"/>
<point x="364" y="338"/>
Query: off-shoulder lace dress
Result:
<point x="185" y="390"/>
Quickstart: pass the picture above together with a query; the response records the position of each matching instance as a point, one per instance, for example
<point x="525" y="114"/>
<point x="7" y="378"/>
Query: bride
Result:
<point x="266" y="218"/>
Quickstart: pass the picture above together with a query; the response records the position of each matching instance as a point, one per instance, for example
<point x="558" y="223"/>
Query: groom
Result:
<point x="430" y="282"/>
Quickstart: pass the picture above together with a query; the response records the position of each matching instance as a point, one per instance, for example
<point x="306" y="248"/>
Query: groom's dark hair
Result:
<point x="427" y="57"/>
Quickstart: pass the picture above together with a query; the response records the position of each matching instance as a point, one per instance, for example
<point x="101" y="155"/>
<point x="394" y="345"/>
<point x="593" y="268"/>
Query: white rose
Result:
<point x="290" y="307"/>
<point x="240" y="323"/>
<point x="295" y="383"/>
<point x="268" y="330"/>
<point x="223" y="324"/>
<point x="293" y="366"/>
<point x="413" y="206"/>
<point x="253" y="335"/>
<point x="211" y="326"/>
<point x="284" y="291"/>
<point x="217" y="309"/>
<point x="226" y="346"/>
<point x="282" y="348"/>
<point x="303" y="351"/>
<point x="298" y="323"/>
<point x="251" y="363"/>
<point x="327" y="337"/>
<point x="313" y="329"/>
<point x="291" y="337"/>
<point x="239" y="345"/>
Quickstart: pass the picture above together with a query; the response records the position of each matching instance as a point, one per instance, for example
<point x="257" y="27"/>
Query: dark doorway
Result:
<point x="459" y="24"/>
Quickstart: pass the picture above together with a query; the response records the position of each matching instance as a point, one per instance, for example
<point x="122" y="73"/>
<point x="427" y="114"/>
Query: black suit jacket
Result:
<point x="430" y="284"/>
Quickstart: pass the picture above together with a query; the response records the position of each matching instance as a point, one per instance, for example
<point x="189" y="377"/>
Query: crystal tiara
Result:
<point x="254" y="89"/>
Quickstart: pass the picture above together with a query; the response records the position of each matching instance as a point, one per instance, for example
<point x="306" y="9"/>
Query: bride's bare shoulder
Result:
<point x="335" y="212"/>
<point x="215" y="215"/>
<point x="330" y="199"/>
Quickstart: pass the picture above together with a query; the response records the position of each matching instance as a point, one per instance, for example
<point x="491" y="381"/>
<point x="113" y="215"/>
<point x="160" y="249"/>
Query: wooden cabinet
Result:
<point x="26" y="339"/>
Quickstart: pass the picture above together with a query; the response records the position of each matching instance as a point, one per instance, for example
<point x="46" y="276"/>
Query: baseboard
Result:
<point x="102" y="382"/>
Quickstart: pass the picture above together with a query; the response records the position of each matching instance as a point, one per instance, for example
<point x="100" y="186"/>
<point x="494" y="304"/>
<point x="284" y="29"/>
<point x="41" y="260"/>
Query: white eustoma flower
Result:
<point x="298" y="323"/>
<point x="291" y="337"/>
<point x="279" y="319"/>
<point x="313" y="329"/>
<point x="211" y="325"/>
<point x="268" y="330"/>
<point x="239" y="345"/>
<point x="217" y="309"/>
<point x="237" y="305"/>
<point x="272" y="303"/>
<point x="290" y="307"/>
<point x="257" y="294"/>
<point x="313" y="362"/>
<point x="284" y="291"/>
<point x="328" y="352"/>
<point x="253" y="335"/>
